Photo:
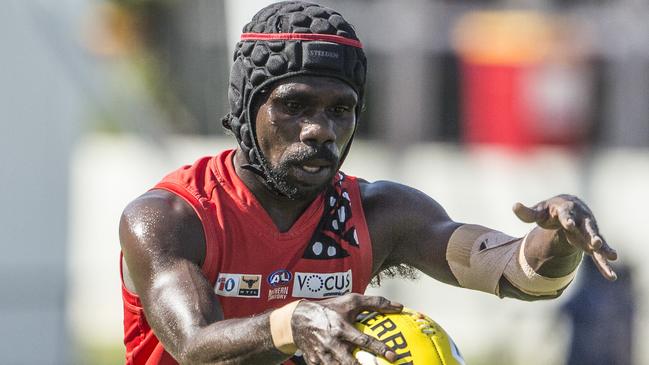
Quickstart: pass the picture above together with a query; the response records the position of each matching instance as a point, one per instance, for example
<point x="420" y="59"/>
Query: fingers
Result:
<point x="327" y="358"/>
<point x="376" y="303"/>
<point x="603" y="266"/>
<point x="343" y="354"/>
<point x="596" y="241"/>
<point x="325" y="334"/>
<point x="337" y="352"/>
<point x="566" y="218"/>
<point x="601" y="252"/>
<point x="601" y="257"/>
<point x="528" y="215"/>
<point x="608" y="252"/>
<point x="331" y="357"/>
<point x="340" y="351"/>
<point x="368" y="343"/>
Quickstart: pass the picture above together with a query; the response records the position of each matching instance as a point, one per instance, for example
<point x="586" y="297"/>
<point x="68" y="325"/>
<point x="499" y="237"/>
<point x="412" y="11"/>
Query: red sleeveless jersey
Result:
<point x="251" y="265"/>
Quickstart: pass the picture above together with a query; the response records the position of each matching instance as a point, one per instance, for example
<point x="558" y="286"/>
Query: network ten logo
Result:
<point x="322" y="285"/>
<point x="238" y="285"/>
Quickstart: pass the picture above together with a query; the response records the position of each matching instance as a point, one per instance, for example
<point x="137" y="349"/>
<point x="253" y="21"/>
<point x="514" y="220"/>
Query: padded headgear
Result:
<point x="287" y="39"/>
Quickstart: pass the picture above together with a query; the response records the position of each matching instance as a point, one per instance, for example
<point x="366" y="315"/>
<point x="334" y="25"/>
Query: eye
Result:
<point x="341" y="109"/>
<point x="292" y="106"/>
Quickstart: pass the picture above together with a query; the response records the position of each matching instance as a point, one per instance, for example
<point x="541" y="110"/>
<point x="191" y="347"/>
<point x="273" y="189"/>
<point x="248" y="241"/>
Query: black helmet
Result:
<point x="287" y="39"/>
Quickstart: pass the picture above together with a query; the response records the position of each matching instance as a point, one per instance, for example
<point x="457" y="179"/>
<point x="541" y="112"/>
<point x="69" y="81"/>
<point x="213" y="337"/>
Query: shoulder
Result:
<point x="197" y="179"/>
<point x="160" y="223"/>
<point x="397" y="201"/>
<point x="402" y="221"/>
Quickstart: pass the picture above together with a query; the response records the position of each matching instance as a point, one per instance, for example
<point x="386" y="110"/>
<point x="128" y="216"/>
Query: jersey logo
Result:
<point x="238" y="285"/>
<point x="322" y="285"/>
<point x="279" y="277"/>
<point x="279" y="283"/>
<point x="334" y="227"/>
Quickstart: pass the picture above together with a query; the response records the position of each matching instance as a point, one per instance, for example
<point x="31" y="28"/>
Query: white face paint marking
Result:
<point x="331" y="251"/>
<point x="317" y="248"/>
<point x="341" y="214"/>
<point x="334" y="224"/>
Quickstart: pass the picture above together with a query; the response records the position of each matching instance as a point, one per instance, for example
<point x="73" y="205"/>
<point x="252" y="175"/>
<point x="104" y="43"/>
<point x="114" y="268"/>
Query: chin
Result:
<point x="299" y="184"/>
<point x="304" y="192"/>
<point x="296" y="190"/>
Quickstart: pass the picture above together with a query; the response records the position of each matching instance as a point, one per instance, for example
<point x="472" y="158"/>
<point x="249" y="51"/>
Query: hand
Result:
<point x="570" y="215"/>
<point x="323" y="330"/>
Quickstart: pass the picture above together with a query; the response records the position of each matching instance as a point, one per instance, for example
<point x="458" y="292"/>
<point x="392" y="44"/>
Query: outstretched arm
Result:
<point x="408" y="227"/>
<point x="164" y="247"/>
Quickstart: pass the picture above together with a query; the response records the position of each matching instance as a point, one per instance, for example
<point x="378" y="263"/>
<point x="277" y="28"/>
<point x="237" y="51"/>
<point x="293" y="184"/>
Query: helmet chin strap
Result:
<point x="267" y="179"/>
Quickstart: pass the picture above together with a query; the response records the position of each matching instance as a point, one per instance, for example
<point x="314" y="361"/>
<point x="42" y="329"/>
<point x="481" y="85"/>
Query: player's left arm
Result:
<point x="408" y="227"/>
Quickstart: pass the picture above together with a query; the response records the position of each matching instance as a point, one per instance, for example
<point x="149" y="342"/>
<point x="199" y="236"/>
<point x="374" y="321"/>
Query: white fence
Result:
<point x="477" y="186"/>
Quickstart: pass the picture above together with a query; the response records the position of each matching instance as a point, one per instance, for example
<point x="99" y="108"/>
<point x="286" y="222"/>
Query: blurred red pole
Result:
<point x="493" y="109"/>
<point x="511" y="93"/>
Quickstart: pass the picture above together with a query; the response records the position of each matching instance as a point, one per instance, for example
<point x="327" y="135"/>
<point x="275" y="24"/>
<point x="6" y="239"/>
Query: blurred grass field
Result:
<point x="99" y="354"/>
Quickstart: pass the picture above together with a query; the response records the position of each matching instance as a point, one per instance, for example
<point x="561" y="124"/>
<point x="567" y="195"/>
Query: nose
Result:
<point x="317" y="130"/>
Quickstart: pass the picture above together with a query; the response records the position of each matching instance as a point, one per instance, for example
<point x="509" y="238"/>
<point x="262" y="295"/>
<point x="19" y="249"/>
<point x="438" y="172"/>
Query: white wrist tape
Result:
<point x="521" y="275"/>
<point x="280" y="328"/>
<point x="478" y="256"/>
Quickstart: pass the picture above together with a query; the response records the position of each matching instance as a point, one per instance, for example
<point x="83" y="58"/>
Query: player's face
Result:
<point x="302" y="129"/>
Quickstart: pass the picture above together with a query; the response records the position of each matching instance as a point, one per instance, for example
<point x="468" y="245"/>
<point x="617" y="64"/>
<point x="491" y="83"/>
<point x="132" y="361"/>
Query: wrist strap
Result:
<point x="520" y="274"/>
<point x="280" y="328"/>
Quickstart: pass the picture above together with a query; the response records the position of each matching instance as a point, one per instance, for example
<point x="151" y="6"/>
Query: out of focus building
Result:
<point x="584" y="80"/>
<point x="442" y="75"/>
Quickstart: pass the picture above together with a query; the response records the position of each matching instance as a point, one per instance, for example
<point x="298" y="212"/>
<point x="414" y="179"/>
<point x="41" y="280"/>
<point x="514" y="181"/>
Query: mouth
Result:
<point x="314" y="171"/>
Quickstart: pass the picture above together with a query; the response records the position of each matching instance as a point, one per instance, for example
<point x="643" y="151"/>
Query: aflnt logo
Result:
<point x="279" y="277"/>
<point x="322" y="285"/>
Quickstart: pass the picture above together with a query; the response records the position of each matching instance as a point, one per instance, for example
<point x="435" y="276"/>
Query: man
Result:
<point x="252" y="255"/>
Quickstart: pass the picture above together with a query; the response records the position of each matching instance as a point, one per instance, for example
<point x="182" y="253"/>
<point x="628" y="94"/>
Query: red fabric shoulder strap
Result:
<point x="194" y="185"/>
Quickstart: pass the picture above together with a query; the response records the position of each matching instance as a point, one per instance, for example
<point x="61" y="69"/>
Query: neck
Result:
<point x="282" y="210"/>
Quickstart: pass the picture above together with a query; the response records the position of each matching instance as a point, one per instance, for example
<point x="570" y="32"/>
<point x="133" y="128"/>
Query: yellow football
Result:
<point x="413" y="336"/>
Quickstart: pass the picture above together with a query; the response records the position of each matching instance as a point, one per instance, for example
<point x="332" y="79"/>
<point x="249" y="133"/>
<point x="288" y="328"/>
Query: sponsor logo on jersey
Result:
<point x="238" y="285"/>
<point x="279" y="284"/>
<point x="280" y="277"/>
<point x="279" y="293"/>
<point x="322" y="285"/>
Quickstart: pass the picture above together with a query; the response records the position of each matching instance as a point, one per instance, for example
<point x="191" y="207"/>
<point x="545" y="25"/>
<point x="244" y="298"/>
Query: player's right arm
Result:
<point x="163" y="244"/>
